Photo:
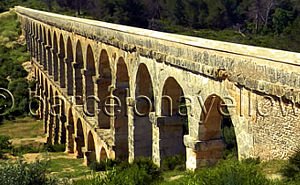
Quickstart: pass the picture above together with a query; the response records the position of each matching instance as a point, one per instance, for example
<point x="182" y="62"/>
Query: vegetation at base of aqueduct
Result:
<point x="12" y="74"/>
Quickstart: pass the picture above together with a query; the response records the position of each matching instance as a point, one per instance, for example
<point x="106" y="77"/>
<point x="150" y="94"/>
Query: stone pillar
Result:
<point x="155" y="139"/>
<point x="202" y="153"/>
<point x="130" y="104"/>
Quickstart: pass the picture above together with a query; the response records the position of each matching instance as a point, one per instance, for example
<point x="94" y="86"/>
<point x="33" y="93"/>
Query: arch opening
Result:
<point x="78" y="66"/>
<point x="104" y="81"/>
<point x="61" y="55"/>
<point x="219" y="130"/>
<point x="49" y="46"/>
<point x="91" y="152"/>
<point x="173" y="124"/>
<point x="55" y="57"/>
<point x="69" y="68"/>
<point x="79" y="139"/>
<point x="142" y="124"/>
<point x="90" y="87"/>
<point x="70" y="130"/>
<point x="121" y="118"/>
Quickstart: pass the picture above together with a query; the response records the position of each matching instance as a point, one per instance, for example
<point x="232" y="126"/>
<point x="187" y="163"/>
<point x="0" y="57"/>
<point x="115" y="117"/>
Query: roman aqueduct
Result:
<point x="113" y="91"/>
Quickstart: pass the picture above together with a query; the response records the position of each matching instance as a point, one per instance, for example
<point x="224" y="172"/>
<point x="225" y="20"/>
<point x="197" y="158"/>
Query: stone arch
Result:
<point x="173" y="121"/>
<point x="55" y="57"/>
<point x="62" y="68"/>
<point x="104" y="81"/>
<point x="57" y="118"/>
<point x="49" y="47"/>
<point x="70" y="131"/>
<point x="91" y="151"/>
<point x="51" y="116"/>
<point x="142" y="124"/>
<point x="41" y="90"/>
<point x="213" y="122"/>
<point x="44" y="48"/>
<point x="79" y="139"/>
<point x="121" y="119"/>
<point x="78" y="75"/>
<point x="36" y="36"/>
<point x="46" y="106"/>
<point x="103" y="154"/>
<point x="40" y="39"/>
<point x="89" y="73"/>
<point x="69" y="60"/>
<point x="63" y="120"/>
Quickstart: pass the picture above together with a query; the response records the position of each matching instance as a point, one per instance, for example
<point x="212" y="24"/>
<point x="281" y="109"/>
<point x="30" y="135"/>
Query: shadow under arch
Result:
<point x="62" y="67"/>
<point x="79" y="139"/>
<point x="121" y="118"/>
<point x="78" y="66"/>
<point x="69" y="60"/>
<point x="104" y="81"/>
<point x="91" y="152"/>
<point x="144" y="105"/>
<point x="89" y="73"/>
<point x="173" y="123"/>
<point x="49" y="46"/>
<point x="70" y="131"/>
<point x="218" y="129"/>
<point x="55" y="57"/>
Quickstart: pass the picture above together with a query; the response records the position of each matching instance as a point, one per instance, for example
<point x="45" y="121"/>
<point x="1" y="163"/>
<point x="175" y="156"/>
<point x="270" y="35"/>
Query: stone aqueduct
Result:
<point x="78" y="63"/>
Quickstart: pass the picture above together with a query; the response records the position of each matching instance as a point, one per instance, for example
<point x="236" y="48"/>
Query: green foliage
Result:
<point x="22" y="173"/>
<point x="106" y="164"/>
<point x="227" y="172"/>
<point x="54" y="148"/>
<point x="176" y="162"/>
<point x="141" y="172"/>
<point x="5" y="145"/>
<point x="12" y="74"/>
<point x="24" y="149"/>
<point x="292" y="169"/>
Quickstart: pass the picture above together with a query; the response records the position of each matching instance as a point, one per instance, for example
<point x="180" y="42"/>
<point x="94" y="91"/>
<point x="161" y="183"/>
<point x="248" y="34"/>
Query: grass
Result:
<point x="68" y="168"/>
<point x="22" y="128"/>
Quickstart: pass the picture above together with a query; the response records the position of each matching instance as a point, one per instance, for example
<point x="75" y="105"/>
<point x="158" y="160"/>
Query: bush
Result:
<point x="107" y="164"/>
<point x="175" y="162"/>
<point x="54" y="148"/>
<point x="5" y="145"/>
<point x="292" y="169"/>
<point x="24" y="149"/>
<point x="227" y="172"/>
<point x="22" y="173"/>
<point x="141" y="172"/>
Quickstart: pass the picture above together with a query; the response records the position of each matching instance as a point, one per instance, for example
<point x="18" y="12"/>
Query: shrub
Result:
<point x="292" y="169"/>
<point x="22" y="173"/>
<point x="5" y="145"/>
<point x="141" y="172"/>
<point x="227" y="172"/>
<point x="107" y="164"/>
<point x="175" y="162"/>
<point x="24" y="149"/>
<point x="54" y="148"/>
